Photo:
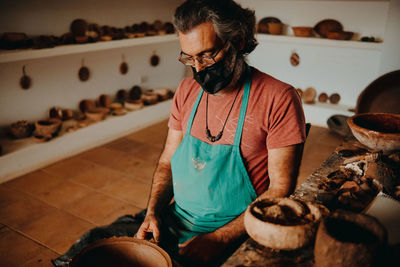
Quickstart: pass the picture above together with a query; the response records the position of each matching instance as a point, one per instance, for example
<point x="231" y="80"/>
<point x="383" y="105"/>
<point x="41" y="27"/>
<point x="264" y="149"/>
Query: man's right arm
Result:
<point x="161" y="190"/>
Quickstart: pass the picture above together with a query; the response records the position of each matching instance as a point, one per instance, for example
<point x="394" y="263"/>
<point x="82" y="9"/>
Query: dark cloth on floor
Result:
<point x="126" y="225"/>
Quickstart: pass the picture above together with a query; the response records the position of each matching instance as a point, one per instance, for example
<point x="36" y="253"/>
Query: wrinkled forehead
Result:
<point x="199" y="39"/>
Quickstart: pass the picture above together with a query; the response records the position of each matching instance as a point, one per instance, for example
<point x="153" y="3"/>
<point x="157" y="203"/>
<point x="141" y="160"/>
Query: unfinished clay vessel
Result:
<point x="47" y="128"/>
<point x="21" y="129"/>
<point x="349" y="239"/>
<point x="379" y="131"/>
<point x="97" y="114"/>
<point x="283" y="223"/>
<point x="122" y="251"/>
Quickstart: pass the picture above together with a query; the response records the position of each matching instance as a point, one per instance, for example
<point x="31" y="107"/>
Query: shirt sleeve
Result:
<point x="286" y="122"/>
<point x="175" y="117"/>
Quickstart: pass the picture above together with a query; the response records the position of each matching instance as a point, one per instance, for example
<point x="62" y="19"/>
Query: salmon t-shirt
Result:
<point x="274" y="119"/>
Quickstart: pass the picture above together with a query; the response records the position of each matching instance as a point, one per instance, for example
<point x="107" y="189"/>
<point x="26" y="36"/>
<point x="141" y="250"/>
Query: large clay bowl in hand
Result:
<point x="378" y="131"/>
<point x="283" y="223"/>
<point x="122" y="252"/>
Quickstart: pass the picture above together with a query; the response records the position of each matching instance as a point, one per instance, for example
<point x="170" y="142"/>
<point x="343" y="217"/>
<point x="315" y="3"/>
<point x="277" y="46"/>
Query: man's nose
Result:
<point x="197" y="65"/>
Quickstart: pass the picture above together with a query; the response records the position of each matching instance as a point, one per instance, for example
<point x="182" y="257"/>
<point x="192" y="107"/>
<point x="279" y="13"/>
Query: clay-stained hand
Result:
<point x="203" y="248"/>
<point x="150" y="228"/>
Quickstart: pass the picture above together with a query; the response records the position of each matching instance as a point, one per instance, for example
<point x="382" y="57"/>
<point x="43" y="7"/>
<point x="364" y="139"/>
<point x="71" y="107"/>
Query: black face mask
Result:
<point x="213" y="78"/>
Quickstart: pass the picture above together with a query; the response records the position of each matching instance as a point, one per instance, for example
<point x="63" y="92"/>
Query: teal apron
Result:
<point x="211" y="184"/>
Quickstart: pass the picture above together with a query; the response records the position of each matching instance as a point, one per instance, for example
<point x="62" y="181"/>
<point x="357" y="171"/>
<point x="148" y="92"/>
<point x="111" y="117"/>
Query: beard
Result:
<point x="236" y="63"/>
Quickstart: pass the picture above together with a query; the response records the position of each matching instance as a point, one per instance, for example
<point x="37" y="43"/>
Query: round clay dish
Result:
<point x="83" y="74"/>
<point x="122" y="251"/>
<point x="323" y="97"/>
<point x="309" y="95"/>
<point x="334" y="98"/>
<point x="328" y="25"/>
<point x="123" y="68"/>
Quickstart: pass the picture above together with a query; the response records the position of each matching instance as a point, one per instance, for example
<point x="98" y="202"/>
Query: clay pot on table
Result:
<point x="133" y="104"/>
<point x="349" y="239"/>
<point x="283" y="223"/>
<point x="97" y="113"/>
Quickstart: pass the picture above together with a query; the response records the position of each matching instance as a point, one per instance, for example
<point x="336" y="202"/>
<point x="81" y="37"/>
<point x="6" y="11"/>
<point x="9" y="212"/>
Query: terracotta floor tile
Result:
<point x="35" y="182"/>
<point x="135" y="148"/>
<point x="132" y="191"/>
<point x="64" y="194"/>
<point x="22" y="210"/>
<point x="57" y="230"/>
<point x="69" y="168"/>
<point x="18" y="250"/>
<point x="97" y="177"/>
<point x="99" y="208"/>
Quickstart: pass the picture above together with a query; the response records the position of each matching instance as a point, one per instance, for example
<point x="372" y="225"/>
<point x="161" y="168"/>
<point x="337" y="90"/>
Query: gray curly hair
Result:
<point x="232" y="23"/>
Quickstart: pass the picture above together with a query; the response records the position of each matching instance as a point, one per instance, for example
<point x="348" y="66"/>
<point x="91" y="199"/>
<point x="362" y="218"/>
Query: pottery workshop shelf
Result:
<point x="318" y="41"/>
<point x="24" y="155"/>
<point x="18" y="55"/>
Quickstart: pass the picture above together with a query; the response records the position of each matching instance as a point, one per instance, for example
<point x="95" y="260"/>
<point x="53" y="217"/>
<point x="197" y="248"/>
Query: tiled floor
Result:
<point x="44" y="212"/>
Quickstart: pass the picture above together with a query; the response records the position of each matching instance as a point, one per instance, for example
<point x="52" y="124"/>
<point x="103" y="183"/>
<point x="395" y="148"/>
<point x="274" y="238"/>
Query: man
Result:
<point x="235" y="133"/>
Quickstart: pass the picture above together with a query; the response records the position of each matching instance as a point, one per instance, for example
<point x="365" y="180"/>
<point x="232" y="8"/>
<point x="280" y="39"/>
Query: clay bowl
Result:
<point x="47" y="128"/>
<point x="302" y="31"/>
<point x="122" y="251"/>
<point x="21" y="129"/>
<point x="339" y="35"/>
<point x="283" y="223"/>
<point x="328" y="25"/>
<point x="346" y="238"/>
<point x="150" y="97"/>
<point x="133" y="104"/>
<point x="378" y="131"/>
<point x="97" y="114"/>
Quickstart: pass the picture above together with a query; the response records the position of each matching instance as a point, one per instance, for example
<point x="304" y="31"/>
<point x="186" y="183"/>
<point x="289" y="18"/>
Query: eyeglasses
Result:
<point x="204" y="60"/>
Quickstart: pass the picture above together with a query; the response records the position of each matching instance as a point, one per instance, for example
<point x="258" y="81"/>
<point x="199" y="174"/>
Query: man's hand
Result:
<point x="150" y="228"/>
<point x="203" y="248"/>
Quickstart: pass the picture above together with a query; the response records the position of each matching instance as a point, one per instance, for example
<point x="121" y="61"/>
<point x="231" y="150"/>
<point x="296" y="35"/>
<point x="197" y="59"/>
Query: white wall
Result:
<point x="55" y="80"/>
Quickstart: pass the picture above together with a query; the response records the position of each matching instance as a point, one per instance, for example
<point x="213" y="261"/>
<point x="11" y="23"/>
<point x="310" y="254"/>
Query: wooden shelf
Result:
<point x="25" y="155"/>
<point x="318" y="41"/>
<point x="26" y="54"/>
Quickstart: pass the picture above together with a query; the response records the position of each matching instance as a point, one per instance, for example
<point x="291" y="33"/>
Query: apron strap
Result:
<point x="243" y="108"/>
<point x="194" y="111"/>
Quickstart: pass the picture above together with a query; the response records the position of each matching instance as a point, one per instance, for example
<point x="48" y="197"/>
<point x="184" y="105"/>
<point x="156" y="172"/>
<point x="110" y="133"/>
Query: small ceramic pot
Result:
<point x="133" y="104"/>
<point x="21" y="129"/>
<point x="97" y="114"/>
<point x="302" y="31"/>
<point x="47" y="128"/>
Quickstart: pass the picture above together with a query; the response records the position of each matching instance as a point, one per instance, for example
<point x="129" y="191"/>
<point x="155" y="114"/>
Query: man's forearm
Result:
<point x="161" y="189"/>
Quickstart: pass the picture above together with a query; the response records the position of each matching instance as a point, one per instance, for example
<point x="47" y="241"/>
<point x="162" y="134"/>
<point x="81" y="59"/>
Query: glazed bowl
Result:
<point x="283" y="223"/>
<point x="122" y="251"/>
<point x="378" y="131"/>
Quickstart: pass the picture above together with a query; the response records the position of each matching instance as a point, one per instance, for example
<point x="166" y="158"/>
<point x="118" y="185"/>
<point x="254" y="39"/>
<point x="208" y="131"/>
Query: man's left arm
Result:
<point x="283" y="168"/>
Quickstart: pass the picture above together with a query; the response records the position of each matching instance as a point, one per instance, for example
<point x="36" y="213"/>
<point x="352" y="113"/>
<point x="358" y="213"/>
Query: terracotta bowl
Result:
<point x="302" y="31"/>
<point x="342" y="35"/>
<point x="133" y="104"/>
<point x="378" y="131"/>
<point x="47" y="128"/>
<point x="150" y="97"/>
<point x="283" y="223"/>
<point x="346" y="238"/>
<point x="97" y="114"/>
<point x="122" y="251"/>
<point x="21" y="129"/>
<point x="327" y="25"/>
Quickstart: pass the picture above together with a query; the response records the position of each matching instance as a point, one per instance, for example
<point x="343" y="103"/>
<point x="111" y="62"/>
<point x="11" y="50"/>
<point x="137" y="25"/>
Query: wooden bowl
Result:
<point x="302" y="31"/>
<point x="122" y="251"/>
<point x="348" y="239"/>
<point x="378" y="131"/>
<point x="283" y="223"/>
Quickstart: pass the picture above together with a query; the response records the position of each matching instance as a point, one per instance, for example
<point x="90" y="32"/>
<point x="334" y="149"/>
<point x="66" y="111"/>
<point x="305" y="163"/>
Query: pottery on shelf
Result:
<point x="301" y="31"/>
<point x="47" y="129"/>
<point x="21" y="129"/>
<point x="97" y="113"/>
<point x="133" y="104"/>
